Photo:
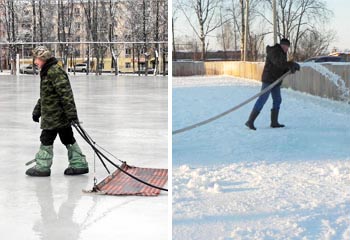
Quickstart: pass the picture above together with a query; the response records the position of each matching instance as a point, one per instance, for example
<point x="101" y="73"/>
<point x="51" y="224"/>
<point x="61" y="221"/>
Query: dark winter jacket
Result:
<point x="56" y="104"/>
<point x="276" y="64"/>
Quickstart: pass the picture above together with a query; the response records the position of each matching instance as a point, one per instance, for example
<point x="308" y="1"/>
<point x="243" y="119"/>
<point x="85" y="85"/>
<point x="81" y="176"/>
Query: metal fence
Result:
<point x="99" y="57"/>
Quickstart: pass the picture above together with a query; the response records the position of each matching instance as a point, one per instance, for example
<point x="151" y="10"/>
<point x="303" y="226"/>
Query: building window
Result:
<point x="26" y="26"/>
<point x="77" y="11"/>
<point x="127" y="65"/>
<point x="103" y="29"/>
<point x="143" y="51"/>
<point x="77" y="26"/>
<point x="127" y="51"/>
<point x="27" y="37"/>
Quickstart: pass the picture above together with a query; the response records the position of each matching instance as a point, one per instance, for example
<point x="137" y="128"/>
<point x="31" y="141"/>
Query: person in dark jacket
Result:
<point x="56" y="108"/>
<point x="276" y="65"/>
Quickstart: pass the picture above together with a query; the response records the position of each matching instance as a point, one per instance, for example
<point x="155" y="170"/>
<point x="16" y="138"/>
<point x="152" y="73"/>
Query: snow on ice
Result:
<point x="233" y="183"/>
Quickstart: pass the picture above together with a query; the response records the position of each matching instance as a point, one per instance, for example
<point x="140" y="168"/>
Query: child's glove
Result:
<point x="36" y="118"/>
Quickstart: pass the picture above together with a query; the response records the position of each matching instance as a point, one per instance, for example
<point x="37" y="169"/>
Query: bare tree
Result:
<point x="256" y="43"/>
<point x="173" y="37"/>
<point x="225" y="32"/>
<point x="41" y="38"/>
<point x="43" y="13"/>
<point x="64" y="27"/>
<point x="174" y="17"/>
<point x="226" y="37"/>
<point x="164" y="32"/>
<point x="140" y="29"/>
<point x="298" y="18"/>
<point x="243" y="27"/>
<point x="237" y="10"/>
<point x="206" y="16"/>
<point x="11" y="22"/>
<point x="144" y="33"/>
<point x="158" y="31"/>
<point x="96" y="28"/>
<point x="90" y="10"/>
<point x="314" y="43"/>
<point x="103" y="21"/>
<point x="156" y="36"/>
<point x="34" y="21"/>
<point x="133" y="25"/>
<point x="112" y="20"/>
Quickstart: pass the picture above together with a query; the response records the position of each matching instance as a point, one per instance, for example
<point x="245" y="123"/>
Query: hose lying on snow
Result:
<point x="188" y="128"/>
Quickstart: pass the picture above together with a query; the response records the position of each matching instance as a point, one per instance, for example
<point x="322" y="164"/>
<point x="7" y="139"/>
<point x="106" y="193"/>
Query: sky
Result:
<point x="339" y="22"/>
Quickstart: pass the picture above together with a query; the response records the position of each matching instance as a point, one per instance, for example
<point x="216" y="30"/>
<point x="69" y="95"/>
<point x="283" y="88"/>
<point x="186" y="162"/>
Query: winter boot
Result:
<point x="274" y="119"/>
<point x="252" y="117"/>
<point x="43" y="160"/>
<point x="77" y="161"/>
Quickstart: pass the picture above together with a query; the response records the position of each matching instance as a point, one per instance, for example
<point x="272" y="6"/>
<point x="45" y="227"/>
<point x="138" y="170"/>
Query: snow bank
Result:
<point x="261" y="200"/>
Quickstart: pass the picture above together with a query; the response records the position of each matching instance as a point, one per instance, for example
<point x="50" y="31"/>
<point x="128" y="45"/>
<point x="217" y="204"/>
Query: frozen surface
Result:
<point x="233" y="183"/>
<point x="125" y="115"/>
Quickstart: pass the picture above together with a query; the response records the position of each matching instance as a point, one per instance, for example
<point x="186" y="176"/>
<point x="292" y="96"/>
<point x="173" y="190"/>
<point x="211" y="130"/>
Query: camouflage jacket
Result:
<point x="56" y="104"/>
<point x="276" y="64"/>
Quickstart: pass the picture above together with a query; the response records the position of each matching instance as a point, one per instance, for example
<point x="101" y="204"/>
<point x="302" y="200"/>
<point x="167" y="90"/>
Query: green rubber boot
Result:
<point x="77" y="160"/>
<point x="43" y="160"/>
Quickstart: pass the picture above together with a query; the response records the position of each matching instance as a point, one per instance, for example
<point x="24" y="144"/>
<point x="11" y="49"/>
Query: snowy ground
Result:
<point x="125" y="115"/>
<point x="233" y="183"/>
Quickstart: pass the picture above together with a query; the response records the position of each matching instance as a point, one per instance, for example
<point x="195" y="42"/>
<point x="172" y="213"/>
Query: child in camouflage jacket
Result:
<point x="57" y="110"/>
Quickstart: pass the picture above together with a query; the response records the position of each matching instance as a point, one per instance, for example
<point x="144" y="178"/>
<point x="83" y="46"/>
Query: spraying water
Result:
<point x="334" y="78"/>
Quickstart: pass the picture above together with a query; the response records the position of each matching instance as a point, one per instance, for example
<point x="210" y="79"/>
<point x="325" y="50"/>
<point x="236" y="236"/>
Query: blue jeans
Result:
<point x="276" y="98"/>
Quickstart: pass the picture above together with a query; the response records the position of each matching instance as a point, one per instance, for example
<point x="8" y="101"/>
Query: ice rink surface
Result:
<point x="230" y="182"/>
<point x="127" y="116"/>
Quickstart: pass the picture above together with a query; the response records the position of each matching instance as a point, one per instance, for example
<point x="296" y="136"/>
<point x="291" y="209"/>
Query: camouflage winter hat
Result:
<point x="42" y="52"/>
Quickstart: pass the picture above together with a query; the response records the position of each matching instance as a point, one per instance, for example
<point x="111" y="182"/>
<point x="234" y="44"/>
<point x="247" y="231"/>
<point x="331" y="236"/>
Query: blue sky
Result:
<point x="340" y="22"/>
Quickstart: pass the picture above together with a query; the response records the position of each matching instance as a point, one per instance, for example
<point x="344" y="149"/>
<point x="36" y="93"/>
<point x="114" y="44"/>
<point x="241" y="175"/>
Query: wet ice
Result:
<point x="125" y="115"/>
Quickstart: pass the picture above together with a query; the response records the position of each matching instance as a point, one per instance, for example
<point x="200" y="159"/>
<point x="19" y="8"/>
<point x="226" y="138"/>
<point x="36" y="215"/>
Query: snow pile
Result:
<point x="198" y="180"/>
<point x="233" y="183"/>
<point x="334" y="78"/>
<point x="276" y="200"/>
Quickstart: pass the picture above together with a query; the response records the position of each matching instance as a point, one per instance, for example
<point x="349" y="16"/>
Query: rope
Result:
<point x="95" y="179"/>
<point x="99" y="154"/>
<point x="121" y="161"/>
<point x="188" y="128"/>
<point x="84" y="136"/>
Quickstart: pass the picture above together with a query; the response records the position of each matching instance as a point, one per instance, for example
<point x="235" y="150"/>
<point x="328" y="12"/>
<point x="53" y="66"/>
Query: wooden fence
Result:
<point x="307" y="80"/>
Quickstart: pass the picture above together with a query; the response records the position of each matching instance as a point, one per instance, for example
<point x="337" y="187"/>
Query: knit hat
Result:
<point x="42" y="52"/>
<point x="285" y="41"/>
